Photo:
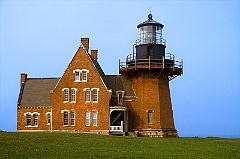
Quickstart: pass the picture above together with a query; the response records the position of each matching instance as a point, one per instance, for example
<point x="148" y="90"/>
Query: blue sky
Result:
<point x="40" y="38"/>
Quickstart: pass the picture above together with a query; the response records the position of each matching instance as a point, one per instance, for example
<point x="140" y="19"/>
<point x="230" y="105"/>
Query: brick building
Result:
<point x="84" y="99"/>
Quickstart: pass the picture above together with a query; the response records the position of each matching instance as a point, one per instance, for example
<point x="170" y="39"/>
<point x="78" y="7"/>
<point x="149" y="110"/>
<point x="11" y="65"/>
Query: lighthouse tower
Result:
<point x="150" y="69"/>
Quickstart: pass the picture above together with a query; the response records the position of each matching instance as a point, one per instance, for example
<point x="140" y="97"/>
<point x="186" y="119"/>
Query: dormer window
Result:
<point x="80" y="75"/>
<point x="120" y="95"/>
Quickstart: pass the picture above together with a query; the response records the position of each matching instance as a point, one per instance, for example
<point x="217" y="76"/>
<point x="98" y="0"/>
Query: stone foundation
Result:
<point x="155" y="133"/>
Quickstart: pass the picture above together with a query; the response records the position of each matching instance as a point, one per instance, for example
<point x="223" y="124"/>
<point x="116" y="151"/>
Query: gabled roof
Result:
<point x="36" y="92"/>
<point x="117" y="83"/>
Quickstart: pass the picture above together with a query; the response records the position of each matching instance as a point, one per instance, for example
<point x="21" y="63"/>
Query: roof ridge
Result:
<point x="35" y="78"/>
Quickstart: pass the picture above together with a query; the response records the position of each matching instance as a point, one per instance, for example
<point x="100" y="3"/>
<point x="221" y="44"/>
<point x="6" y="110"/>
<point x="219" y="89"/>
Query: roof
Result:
<point x="150" y="21"/>
<point x="117" y="83"/>
<point x="114" y="82"/>
<point x="36" y="92"/>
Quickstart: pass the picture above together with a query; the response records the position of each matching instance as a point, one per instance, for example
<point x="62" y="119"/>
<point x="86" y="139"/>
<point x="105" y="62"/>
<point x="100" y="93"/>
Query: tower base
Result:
<point x="154" y="133"/>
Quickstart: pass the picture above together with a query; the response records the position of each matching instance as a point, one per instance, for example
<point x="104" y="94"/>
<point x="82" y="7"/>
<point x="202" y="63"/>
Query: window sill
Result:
<point x="30" y="126"/>
<point x="65" y="101"/>
<point x="48" y="124"/>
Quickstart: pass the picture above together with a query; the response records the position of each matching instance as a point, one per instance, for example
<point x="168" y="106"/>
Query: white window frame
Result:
<point x="73" y="96"/>
<point x="72" y="118"/>
<point x="28" y="119"/>
<point x="94" y="118"/>
<point x="81" y="75"/>
<point x="65" y="96"/>
<point x="87" y="95"/>
<point x="120" y="97"/>
<point x="35" y="119"/>
<point x="94" y="96"/>
<point x="48" y="115"/>
<point x="65" y="118"/>
<point x="150" y="116"/>
<point x="87" y="118"/>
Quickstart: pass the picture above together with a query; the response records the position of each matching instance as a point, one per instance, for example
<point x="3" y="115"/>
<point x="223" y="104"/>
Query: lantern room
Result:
<point x="150" y="42"/>
<point x="150" y="32"/>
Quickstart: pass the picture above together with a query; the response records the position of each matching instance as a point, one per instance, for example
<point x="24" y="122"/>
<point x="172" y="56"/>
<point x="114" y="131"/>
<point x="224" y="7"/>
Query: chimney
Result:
<point x="23" y="78"/>
<point x="94" y="54"/>
<point x="85" y="42"/>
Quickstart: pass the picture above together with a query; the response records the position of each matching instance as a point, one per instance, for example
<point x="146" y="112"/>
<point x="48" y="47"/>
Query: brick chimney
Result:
<point x="85" y="42"/>
<point x="94" y="54"/>
<point x="23" y="78"/>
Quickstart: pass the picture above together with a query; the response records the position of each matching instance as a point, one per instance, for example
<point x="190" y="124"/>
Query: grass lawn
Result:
<point x="76" y="145"/>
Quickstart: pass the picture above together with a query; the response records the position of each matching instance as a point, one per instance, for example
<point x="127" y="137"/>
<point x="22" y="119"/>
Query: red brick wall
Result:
<point x="152" y="94"/>
<point x="81" y="61"/>
<point x="42" y="118"/>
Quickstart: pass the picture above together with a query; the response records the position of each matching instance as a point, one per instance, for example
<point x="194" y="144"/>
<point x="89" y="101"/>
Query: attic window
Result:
<point x="80" y="75"/>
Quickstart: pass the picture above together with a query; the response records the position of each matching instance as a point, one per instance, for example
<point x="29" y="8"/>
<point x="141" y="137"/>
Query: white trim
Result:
<point x="31" y="126"/>
<point x="35" y="113"/>
<point x="74" y="88"/>
<point x="65" y="88"/>
<point x="95" y="118"/>
<point x="49" y="113"/>
<point x="62" y="111"/>
<point x="88" y="118"/>
<point x="95" y="88"/>
<point x="86" y="89"/>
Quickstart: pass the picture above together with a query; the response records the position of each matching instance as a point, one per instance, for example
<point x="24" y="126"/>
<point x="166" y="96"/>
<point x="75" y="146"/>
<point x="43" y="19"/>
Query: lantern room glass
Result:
<point x="150" y="34"/>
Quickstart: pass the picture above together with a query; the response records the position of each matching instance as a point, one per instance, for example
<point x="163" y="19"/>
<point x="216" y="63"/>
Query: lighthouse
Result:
<point x="151" y="69"/>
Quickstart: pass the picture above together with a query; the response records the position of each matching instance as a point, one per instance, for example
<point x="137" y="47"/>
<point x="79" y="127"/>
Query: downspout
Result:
<point x="51" y="120"/>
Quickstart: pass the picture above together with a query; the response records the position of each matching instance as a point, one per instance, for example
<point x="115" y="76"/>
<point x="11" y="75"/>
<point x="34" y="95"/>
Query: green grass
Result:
<point x="76" y="145"/>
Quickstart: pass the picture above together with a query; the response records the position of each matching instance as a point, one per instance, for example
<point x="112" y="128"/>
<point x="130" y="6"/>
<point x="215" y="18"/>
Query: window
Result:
<point x="65" y="94"/>
<point x="72" y="118"/>
<point x="87" y="121"/>
<point x="35" y="119"/>
<point x="84" y="75"/>
<point x="94" y="95"/>
<point x="73" y="95"/>
<point x="65" y="118"/>
<point x="120" y="98"/>
<point x="80" y="75"/>
<point x="150" y="117"/>
<point x="94" y="118"/>
<point x="48" y="118"/>
<point x="77" y="75"/>
<point x="88" y="95"/>
<point x="28" y="120"/>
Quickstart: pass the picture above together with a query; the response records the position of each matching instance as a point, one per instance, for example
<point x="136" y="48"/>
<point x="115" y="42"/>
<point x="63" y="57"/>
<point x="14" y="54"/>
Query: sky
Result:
<point x="41" y="37"/>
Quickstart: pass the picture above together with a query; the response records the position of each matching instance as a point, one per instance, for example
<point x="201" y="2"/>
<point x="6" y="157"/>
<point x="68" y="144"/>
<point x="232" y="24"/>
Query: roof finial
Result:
<point x="150" y="15"/>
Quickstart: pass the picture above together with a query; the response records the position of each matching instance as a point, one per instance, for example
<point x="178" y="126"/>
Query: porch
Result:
<point x="118" y="120"/>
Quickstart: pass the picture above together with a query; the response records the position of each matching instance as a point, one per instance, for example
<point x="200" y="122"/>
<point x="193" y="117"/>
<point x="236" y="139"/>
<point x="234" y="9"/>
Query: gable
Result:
<point x="82" y="60"/>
